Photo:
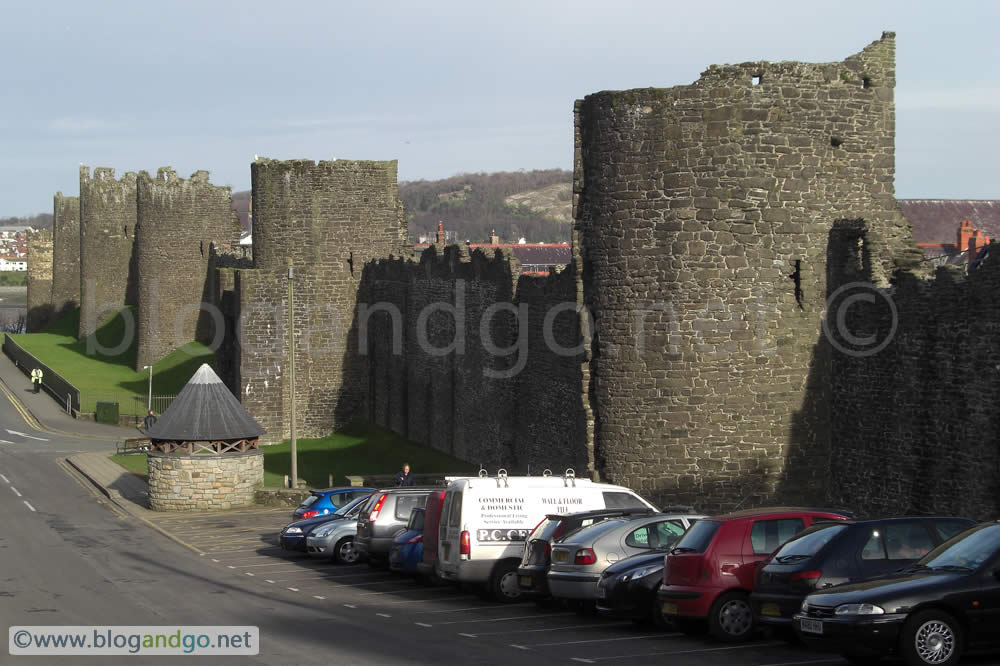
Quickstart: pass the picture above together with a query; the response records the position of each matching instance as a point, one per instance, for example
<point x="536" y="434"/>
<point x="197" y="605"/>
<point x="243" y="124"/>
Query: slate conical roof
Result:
<point x="204" y="411"/>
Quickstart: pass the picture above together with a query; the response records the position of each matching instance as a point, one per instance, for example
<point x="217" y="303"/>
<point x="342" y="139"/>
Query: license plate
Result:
<point x="811" y="626"/>
<point x="602" y="593"/>
<point x="560" y="556"/>
<point x="526" y="581"/>
<point x="770" y="609"/>
<point x="669" y="608"/>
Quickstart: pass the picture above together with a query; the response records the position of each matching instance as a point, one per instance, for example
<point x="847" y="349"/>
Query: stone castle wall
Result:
<point x="108" y="279"/>
<point x="457" y="358"/>
<point x="179" y="224"/>
<point x="329" y="218"/>
<point x="915" y="425"/>
<point x="65" y="253"/>
<point x="39" y="279"/>
<point x="702" y="214"/>
<point x="204" y="482"/>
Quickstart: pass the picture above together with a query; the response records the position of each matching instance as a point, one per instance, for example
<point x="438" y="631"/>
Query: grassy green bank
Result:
<point x="102" y="366"/>
<point x="358" y="449"/>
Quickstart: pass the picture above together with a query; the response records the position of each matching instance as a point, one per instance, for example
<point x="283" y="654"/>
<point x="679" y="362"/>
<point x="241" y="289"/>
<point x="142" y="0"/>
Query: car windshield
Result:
<point x="808" y="543"/>
<point x="309" y="501"/>
<point x="968" y="551"/>
<point x="697" y="538"/>
<point x="352" y="506"/>
<point x="544" y="529"/>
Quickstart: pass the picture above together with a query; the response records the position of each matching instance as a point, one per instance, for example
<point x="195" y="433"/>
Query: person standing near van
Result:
<point x="36" y="379"/>
<point x="404" y="478"/>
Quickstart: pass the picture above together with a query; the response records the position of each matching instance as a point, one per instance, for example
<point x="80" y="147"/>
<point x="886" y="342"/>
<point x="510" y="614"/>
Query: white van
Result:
<point x="485" y="521"/>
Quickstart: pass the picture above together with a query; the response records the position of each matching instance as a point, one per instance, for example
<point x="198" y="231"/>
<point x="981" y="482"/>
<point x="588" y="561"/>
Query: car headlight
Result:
<point x="804" y="608"/>
<point x="640" y="573"/>
<point x="293" y="530"/>
<point x="859" y="609"/>
<point x="324" y="530"/>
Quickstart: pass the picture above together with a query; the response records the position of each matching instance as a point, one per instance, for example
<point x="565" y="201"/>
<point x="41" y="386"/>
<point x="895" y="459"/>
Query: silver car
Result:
<point x="335" y="539"/>
<point x="578" y="560"/>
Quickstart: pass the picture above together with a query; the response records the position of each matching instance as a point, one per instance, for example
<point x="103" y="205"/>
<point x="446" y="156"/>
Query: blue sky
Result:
<point x="443" y="87"/>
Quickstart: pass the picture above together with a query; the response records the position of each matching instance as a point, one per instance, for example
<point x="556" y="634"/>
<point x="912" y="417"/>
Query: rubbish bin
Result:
<point x="106" y="412"/>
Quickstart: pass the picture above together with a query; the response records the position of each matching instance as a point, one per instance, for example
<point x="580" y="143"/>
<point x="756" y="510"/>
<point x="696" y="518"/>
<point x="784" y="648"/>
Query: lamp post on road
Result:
<point x="291" y="374"/>
<point x="149" y="396"/>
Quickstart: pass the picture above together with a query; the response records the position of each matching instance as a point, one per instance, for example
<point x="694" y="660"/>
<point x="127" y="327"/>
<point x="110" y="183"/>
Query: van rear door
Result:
<point x="450" y="530"/>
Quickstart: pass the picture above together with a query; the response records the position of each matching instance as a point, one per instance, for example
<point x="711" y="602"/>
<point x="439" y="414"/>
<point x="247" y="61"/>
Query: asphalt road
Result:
<point x="69" y="557"/>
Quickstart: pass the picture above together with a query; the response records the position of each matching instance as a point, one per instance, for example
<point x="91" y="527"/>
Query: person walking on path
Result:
<point x="404" y="478"/>
<point x="149" y="421"/>
<point x="36" y="379"/>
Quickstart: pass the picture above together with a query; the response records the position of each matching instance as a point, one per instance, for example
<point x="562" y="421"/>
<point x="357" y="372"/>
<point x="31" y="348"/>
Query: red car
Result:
<point x="709" y="574"/>
<point x="432" y="519"/>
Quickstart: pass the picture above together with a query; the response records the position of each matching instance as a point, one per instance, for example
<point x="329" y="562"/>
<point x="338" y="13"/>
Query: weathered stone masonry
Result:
<point x="65" y="253"/>
<point x="108" y="278"/>
<point x="39" y="280"/>
<point x="703" y="213"/>
<point x="330" y="218"/>
<point x="204" y="482"/>
<point x="179" y="225"/>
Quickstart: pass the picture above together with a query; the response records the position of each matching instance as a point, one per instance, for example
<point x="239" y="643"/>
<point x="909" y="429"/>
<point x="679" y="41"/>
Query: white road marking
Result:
<point x="349" y="606"/>
<point x="21" y="434"/>
<point x="718" y="649"/>
<point x="504" y="619"/>
<point x="582" y="660"/>
<point x="16" y="491"/>
<point x="293" y="589"/>
<point x="420" y="601"/>
<point x="316" y="596"/>
<point x="4" y="478"/>
<point x="248" y="573"/>
<point x="457" y="610"/>
<point x="268" y="580"/>
<point x="383" y="614"/>
<point x="27" y="504"/>
<point x="575" y="626"/>
<point x="214" y="560"/>
<point x="469" y="635"/>
<point x="607" y="640"/>
<point x="4" y="441"/>
<point x="419" y="624"/>
<point x="519" y="647"/>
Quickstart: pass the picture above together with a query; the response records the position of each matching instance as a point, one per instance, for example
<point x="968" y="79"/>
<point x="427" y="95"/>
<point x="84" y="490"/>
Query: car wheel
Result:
<point x="503" y="584"/>
<point x="731" y="618"/>
<point x="344" y="552"/>
<point x="931" y="637"/>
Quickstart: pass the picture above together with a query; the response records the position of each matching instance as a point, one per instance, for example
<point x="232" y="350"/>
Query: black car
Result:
<point x="829" y="554"/>
<point x="531" y="574"/>
<point x="628" y="588"/>
<point x="293" y="536"/>
<point x="929" y="613"/>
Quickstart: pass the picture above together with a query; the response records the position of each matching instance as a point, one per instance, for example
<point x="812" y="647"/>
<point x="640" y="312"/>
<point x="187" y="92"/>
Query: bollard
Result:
<point x="287" y="485"/>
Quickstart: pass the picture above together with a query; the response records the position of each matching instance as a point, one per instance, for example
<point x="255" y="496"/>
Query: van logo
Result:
<point x="499" y="536"/>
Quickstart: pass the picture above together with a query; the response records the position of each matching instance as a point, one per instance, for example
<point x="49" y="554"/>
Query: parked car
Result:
<point x="829" y="554"/>
<point x="324" y="502"/>
<point x="335" y="539"/>
<point x="531" y="574"/>
<point x="930" y="613"/>
<point x="426" y="567"/>
<point x="293" y="536"/>
<point x="628" y="589"/>
<point x="385" y="513"/>
<point x="579" y="559"/>
<point x="485" y="521"/>
<point x="709" y="575"/>
<point x="408" y="546"/>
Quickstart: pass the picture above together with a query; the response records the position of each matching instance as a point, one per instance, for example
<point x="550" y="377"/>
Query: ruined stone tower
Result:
<point x="65" y="253"/>
<point x="107" y="238"/>
<point x="179" y="223"/>
<point x="703" y="213"/>
<point x="39" y="280"/>
<point x="329" y="218"/>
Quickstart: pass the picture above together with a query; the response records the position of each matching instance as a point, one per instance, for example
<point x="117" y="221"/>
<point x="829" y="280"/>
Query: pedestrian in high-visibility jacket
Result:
<point x="36" y="379"/>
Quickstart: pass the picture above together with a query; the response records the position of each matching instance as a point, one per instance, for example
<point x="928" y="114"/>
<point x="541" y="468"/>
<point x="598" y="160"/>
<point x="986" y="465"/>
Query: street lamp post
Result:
<point x="291" y="374"/>
<point x="149" y="395"/>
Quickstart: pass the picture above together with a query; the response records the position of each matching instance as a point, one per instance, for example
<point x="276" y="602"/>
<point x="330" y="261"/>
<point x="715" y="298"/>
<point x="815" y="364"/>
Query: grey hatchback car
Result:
<point x="384" y="514"/>
<point x="578" y="560"/>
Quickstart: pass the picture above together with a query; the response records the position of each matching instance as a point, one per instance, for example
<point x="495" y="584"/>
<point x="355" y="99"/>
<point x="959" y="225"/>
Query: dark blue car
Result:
<point x="293" y="535"/>
<point x="408" y="546"/>
<point x="324" y="502"/>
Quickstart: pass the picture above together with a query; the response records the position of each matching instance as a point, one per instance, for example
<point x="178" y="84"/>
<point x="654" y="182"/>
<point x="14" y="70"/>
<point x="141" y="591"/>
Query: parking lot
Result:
<point x="241" y="544"/>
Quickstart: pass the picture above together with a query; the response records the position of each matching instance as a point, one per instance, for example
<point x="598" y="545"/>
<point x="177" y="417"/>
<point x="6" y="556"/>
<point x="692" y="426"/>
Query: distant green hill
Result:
<point x="534" y="205"/>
